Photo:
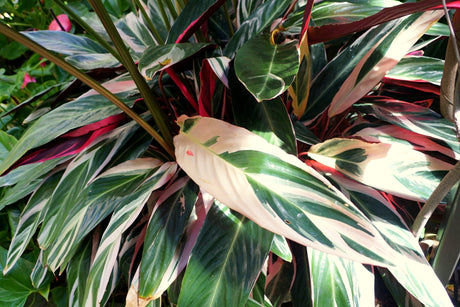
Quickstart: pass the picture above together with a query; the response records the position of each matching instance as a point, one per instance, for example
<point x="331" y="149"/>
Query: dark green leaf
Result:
<point x="225" y="261"/>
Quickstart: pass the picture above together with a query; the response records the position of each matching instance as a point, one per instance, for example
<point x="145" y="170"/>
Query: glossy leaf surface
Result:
<point x="266" y="69"/>
<point x="286" y="196"/>
<point x="225" y="261"/>
<point x="418" y="68"/>
<point x="156" y="58"/>
<point x="261" y="18"/>
<point x="402" y="171"/>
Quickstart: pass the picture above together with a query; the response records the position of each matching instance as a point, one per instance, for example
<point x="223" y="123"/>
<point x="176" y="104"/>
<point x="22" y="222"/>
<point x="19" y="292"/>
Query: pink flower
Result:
<point x="27" y="79"/>
<point x="63" y="20"/>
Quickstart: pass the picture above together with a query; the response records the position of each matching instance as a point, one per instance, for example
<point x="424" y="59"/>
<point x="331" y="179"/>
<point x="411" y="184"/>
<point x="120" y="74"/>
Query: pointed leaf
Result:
<point x="156" y="58"/>
<point x="413" y="272"/>
<point x="414" y="118"/>
<point x="105" y="259"/>
<point x="416" y="68"/>
<point x="260" y="19"/>
<point x="340" y="282"/>
<point x="272" y="67"/>
<point x="286" y="196"/>
<point x="80" y="112"/>
<point x="163" y="237"/>
<point x="220" y="268"/>
<point x="402" y="171"/>
<point x="31" y="216"/>
<point x="381" y="58"/>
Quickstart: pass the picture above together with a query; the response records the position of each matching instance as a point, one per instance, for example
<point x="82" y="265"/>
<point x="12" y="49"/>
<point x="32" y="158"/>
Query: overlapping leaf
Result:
<point x="358" y="68"/>
<point x="82" y="51"/>
<point x="225" y="261"/>
<point x="347" y="283"/>
<point x="418" y="68"/>
<point x="163" y="237"/>
<point x="265" y="68"/>
<point x="128" y="210"/>
<point x="285" y="196"/>
<point x="85" y="110"/>
<point x="412" y="271"/>
<point x="261" y="18"/>
<point x="414" y="118"/>
<point x="156" y="58"/>
<point x="401" y="170"/>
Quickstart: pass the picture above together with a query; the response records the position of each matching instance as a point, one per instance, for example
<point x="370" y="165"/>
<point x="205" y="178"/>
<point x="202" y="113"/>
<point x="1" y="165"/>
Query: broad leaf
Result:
<point x="401" y="170"/>
<point x="416" y="68"/>
<point x="225" y="261"/>
<point x="65" y="215"/>
<point x="156" y="58"/>
<point x="15" y="286"/>
<point x="414" y="118"/>
<point x="285" y="196"/>
<point x="413" y="272"/>
<point x="381" y="58"/>
<point x="195" y="13"/>
<point x="6" y="144"/>
<point x="351" y="74"/>
<point x="135" y="33"/>
<point x="127" y="212"/>
<point x="346" y="282"/>
<point x="163" y="237"/>
<point x="268" y="119"/>
<point x="255" y="24"/>
<point x="265" y="68"/>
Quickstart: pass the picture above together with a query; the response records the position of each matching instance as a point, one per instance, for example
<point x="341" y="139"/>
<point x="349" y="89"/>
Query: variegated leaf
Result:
<point x="65" y="215"/>
<point x="30" y="218"/>
<point x="265" y="68"/>
<point x="156" y="58"/>
<point x="225" y="261"/>
<point x="163" y="237"/>
<point x="339" y="282"/>
<point x="414" y="118"/>
<point x="381" y="59"/>
<point x="122" y="218"/>
<point x="275" y="190"/>
<point x="300" y="88"/>
<point x="412" y="271"/>
<point x="76" y="274"/>
<point x="394" y="168"/>
<point x="375" y="133"/>
<point x="416" y="68"/>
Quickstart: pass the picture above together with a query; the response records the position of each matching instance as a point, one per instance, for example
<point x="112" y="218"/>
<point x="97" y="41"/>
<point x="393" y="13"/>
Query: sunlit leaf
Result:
<point x="287" y="197"/>
<point x="418" y="68"/>
<point x="412" y="271"/>
<point x="401" y="170"/>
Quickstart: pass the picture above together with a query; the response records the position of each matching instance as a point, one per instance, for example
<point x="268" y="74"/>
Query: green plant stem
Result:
<point x="229" y="21"/>
<point x="446" y="184"/>
<point x="149" y="22"/>
<point x="88" y="29"/>
<point x="158" y="115"/>
<point x="18" y="37"/>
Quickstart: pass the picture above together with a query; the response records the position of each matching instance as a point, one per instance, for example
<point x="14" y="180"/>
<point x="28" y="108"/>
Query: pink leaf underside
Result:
<point x="208" y="82"/>
<point x="419" y="142"/>
<point x="333" y="31"/>
<point x="306" y="16"/>
<point x="61" y="20"/>
<point x="72" y="142"/>
<point x="420" y="85"/>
